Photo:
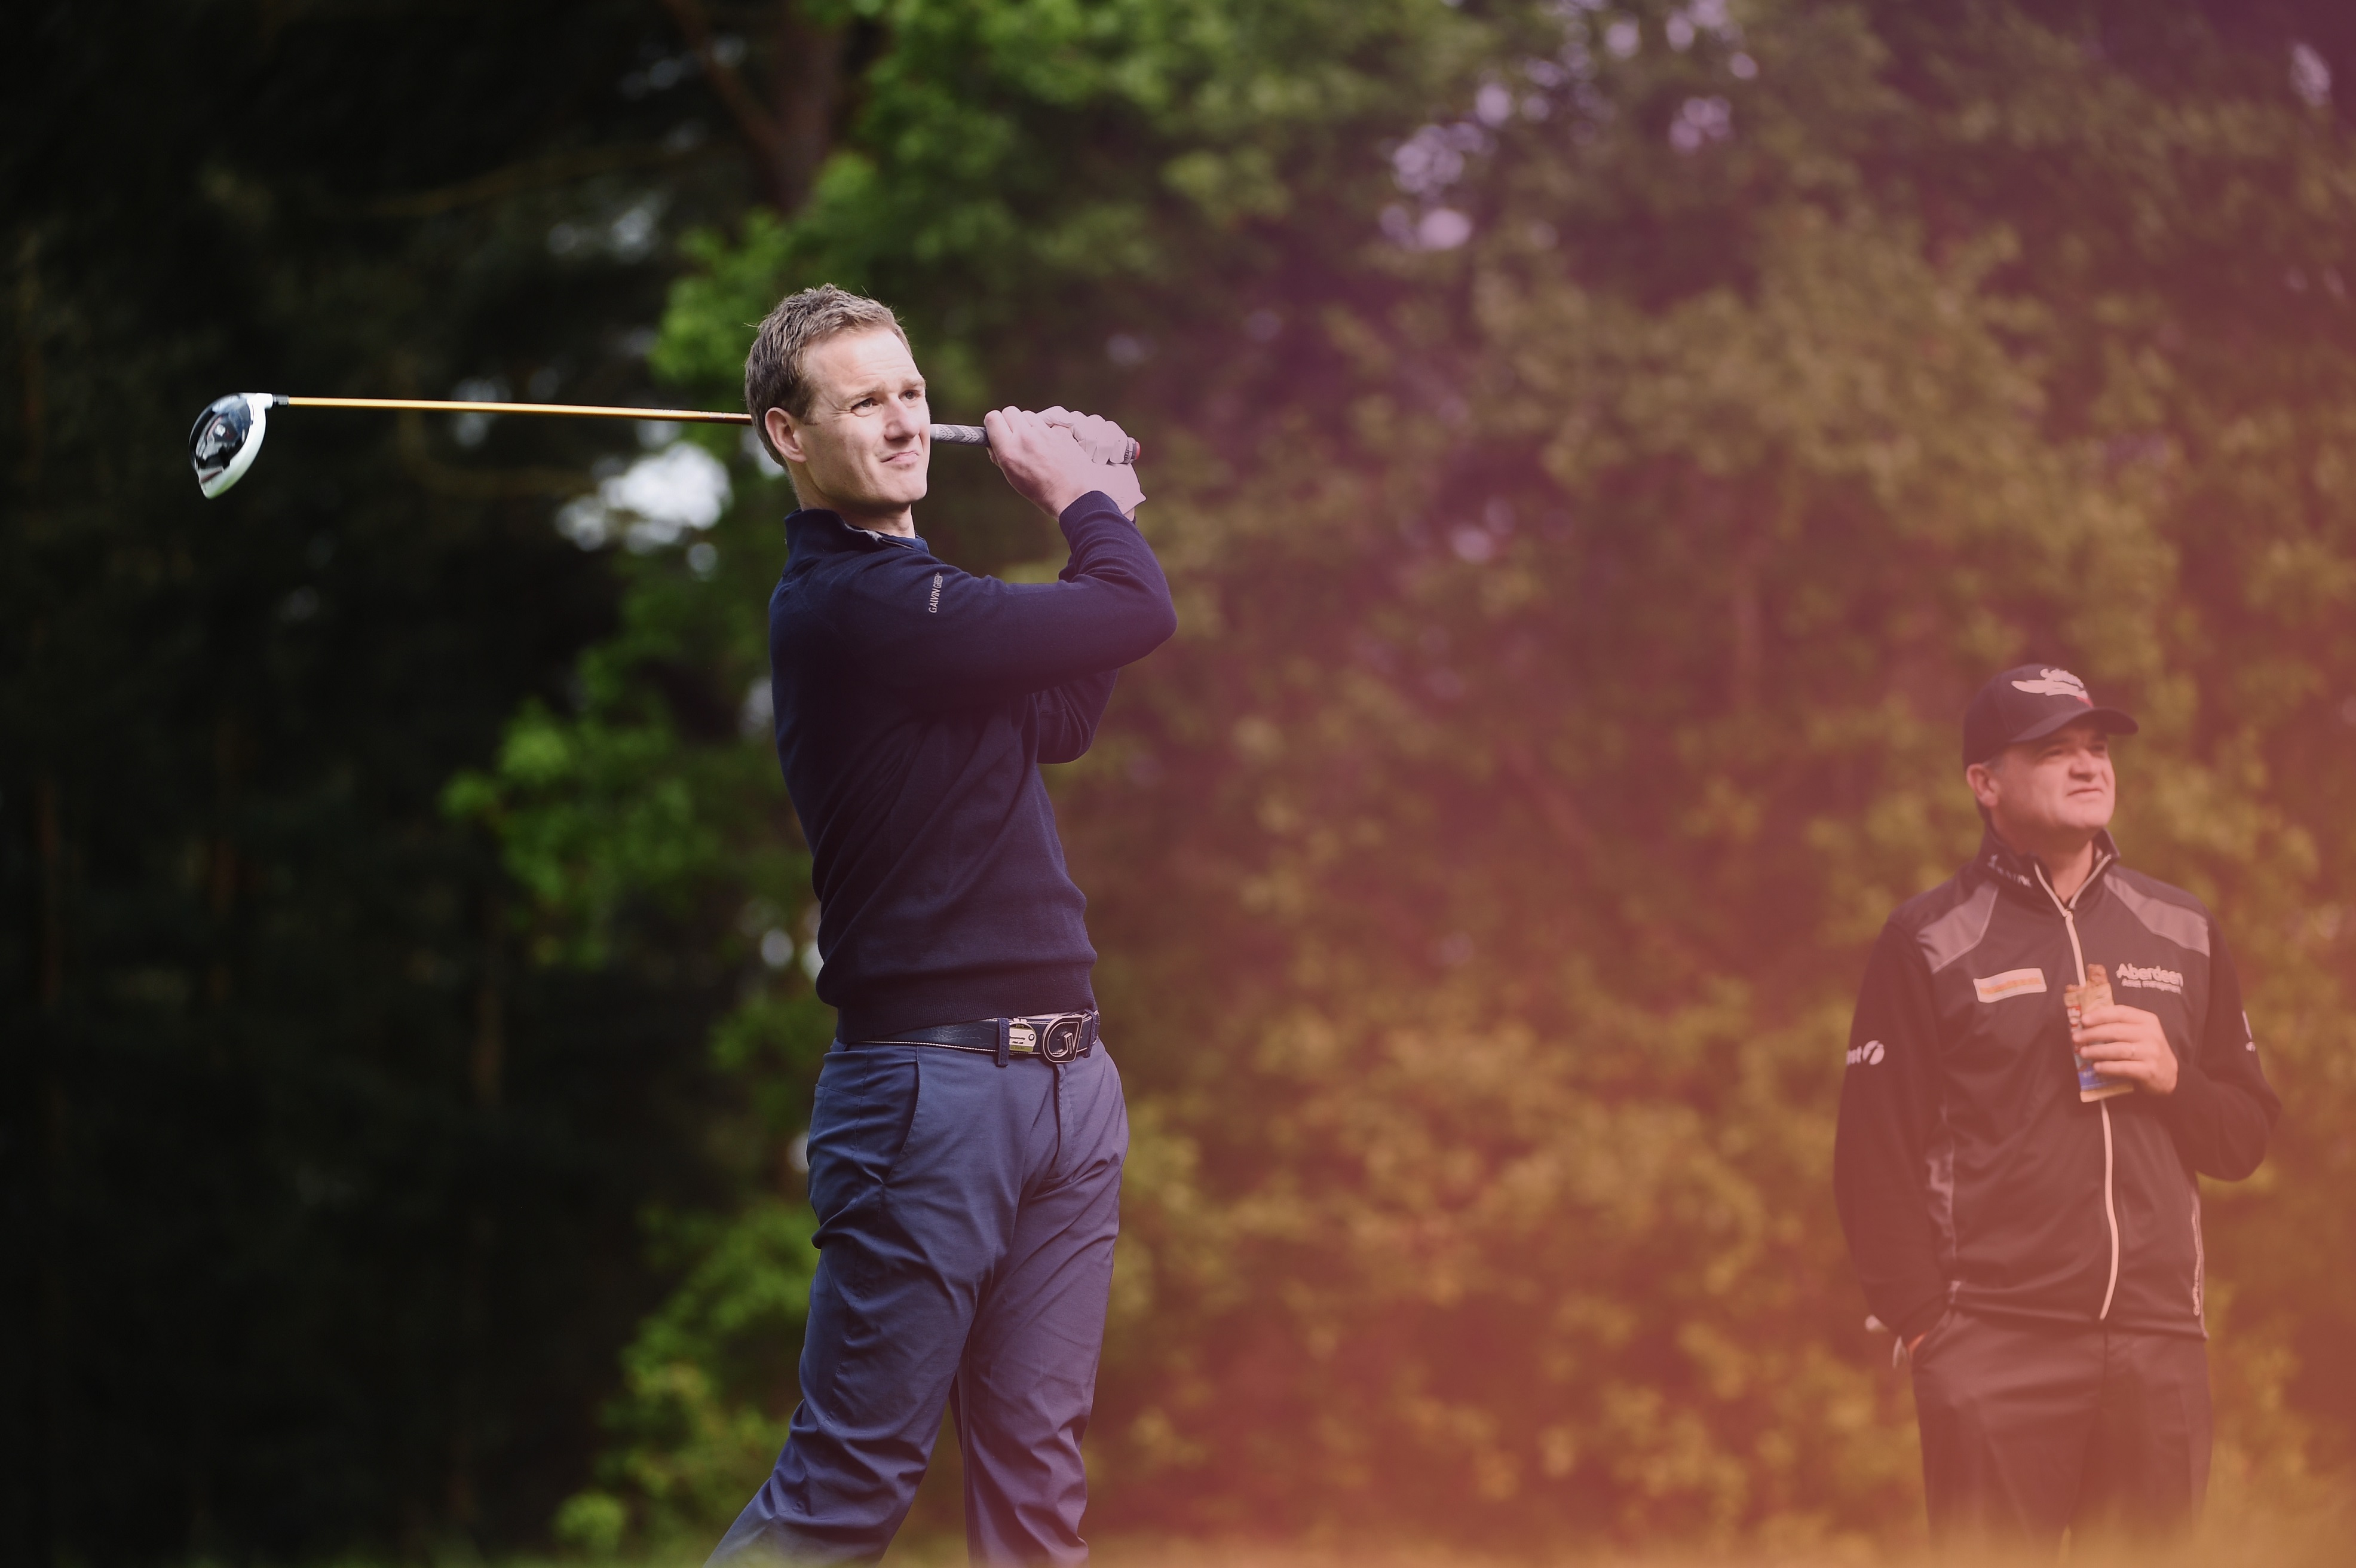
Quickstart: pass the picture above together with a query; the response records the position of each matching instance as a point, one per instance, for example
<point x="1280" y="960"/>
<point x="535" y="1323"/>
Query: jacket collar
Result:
<point x="2008" y="868"/>
<point x="814" y="531"/>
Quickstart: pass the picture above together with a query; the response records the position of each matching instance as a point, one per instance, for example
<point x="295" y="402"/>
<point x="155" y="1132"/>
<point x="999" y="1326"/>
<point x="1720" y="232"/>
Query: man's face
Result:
<point x="866" y="447"/>
<point x="2049" y="792"/>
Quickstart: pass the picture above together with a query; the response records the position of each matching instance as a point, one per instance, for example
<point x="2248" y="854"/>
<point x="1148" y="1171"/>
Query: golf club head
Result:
<point x="226" y="438"/>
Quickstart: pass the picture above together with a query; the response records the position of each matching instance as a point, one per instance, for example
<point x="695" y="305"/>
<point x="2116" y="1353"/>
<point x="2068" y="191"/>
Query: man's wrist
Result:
<point x="2194" y="1089"/>
<point x="1079" y="508"/>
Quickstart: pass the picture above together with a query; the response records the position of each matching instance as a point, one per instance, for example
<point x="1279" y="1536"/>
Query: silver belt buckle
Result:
<point x="1059" y="1037"/>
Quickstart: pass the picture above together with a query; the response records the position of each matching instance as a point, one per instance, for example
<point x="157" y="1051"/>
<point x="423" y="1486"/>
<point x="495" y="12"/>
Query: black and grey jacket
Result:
<point x="1969" y="1171"/>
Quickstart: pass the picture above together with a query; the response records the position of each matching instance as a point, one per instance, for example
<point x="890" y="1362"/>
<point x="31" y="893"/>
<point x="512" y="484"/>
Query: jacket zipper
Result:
<point x="2078" y="955"/>
<point x="2200" y="1261"/>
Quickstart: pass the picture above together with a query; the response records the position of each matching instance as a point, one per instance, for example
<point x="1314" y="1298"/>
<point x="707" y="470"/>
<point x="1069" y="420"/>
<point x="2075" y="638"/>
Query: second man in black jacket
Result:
<point x="2018" y="1159"/>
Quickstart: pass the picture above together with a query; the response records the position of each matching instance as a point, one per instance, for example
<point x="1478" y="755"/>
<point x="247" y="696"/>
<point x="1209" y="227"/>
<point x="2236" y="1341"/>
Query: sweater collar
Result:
<point x="816" y="530"/>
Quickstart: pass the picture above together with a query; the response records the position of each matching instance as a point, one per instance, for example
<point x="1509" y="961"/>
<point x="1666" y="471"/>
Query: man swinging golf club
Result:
<point x="966" y="1145"/>
<point x="2019" y="1144"/>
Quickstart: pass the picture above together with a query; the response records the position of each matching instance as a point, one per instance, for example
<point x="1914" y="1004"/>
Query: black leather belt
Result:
<point x="1051" y="1037"/>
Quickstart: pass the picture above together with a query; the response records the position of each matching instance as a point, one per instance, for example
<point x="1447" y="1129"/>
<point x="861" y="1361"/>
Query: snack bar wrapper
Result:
<point x="2095" y="992"/>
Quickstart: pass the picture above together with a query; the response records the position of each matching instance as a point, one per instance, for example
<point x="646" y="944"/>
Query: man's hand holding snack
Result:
<point x="2127" y="1042"/>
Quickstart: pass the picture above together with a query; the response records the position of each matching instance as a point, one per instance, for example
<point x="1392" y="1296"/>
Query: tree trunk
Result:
<point x="789" y="135"/>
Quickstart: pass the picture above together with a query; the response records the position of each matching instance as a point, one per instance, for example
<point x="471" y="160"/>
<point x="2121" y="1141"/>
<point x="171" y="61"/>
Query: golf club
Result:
<point x="228" y="435"/>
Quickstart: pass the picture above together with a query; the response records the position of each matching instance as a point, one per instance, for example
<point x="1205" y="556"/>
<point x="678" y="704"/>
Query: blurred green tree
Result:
<point x="1553" y="732"/>
<point x="1588" y="528"/>
<point x="1137" y="176"/>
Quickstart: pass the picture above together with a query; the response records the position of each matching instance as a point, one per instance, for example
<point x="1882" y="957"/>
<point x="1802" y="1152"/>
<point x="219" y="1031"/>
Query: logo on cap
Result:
<point x="2056" y="683"/>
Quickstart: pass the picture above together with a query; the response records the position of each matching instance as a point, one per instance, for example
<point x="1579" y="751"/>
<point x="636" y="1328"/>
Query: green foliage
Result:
<point x="650" y="827"/>
<point x="1546" y="742"/>
<point x="1021" y="161"/>
<point x="958" y="196"/>
<point x="1575" y="625"/>
<point x="690" y="1449"/>
<point x="617" y="801"/>
<point x="1597" y="451"/>
<point x="592" y="1524"/>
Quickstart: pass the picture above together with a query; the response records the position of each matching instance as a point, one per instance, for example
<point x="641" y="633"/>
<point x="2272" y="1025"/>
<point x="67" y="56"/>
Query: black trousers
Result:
<point x="2029" y="1432"/>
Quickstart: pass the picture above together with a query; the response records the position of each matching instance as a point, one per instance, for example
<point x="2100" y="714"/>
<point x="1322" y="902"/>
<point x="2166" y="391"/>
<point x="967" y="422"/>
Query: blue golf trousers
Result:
<point x="966" y="1214"/>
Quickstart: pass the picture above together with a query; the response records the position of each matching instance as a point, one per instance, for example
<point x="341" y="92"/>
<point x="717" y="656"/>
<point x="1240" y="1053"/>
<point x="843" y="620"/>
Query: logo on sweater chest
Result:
<point x="2011" y="982"/>
<point x="933" y="605"/>
<point x="2145" y="978"/>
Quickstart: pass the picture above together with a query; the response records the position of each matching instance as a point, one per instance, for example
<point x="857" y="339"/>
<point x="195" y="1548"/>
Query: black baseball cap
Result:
<point x="2030" y="702"/>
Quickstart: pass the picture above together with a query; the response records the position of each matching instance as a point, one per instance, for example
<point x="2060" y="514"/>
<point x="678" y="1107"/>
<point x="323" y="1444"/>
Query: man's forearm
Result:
<point x="926" y="628"/>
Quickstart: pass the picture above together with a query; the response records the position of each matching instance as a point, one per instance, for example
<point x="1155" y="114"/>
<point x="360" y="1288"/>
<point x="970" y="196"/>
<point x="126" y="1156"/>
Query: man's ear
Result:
<point x="784" y="438"/>
<point x="1981" y="777"/>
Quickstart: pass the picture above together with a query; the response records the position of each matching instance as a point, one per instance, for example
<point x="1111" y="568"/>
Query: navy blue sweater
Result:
<point x="914" y="704"/>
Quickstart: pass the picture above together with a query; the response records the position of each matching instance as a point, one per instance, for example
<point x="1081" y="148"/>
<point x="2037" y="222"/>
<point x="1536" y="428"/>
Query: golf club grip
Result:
<point x="975" y="436"/>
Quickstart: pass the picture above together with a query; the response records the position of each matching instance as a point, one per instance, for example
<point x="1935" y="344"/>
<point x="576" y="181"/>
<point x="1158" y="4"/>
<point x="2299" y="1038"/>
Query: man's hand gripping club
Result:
<point x="1053" y="458"/>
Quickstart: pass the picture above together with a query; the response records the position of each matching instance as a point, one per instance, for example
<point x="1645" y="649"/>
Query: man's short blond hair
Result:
<point x="773" y="370"/>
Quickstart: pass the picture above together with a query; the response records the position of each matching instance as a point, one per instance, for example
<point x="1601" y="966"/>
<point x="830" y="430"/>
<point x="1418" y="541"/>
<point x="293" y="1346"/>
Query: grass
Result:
<point x="2319" y="1538"/>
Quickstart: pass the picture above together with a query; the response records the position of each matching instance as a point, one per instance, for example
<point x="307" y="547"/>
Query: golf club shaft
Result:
<point x="584" y="410"/>
<point x="946" y="435"/>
